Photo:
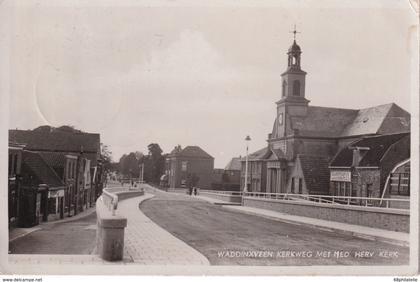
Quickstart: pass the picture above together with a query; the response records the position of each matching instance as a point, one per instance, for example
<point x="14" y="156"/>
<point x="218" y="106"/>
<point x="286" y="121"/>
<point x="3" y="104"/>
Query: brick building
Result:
<point x="181" y="164"/>
<point x="14" y="174"/>
<point x="305" y="138"/>
<point x="362" y="167"/>
<point x="228" y="179"/>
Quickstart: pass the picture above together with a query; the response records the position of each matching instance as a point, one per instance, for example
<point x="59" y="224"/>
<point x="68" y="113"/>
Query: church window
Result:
<point x="281" y="119"/>
<point x="284" y="88"/>
<point x="300" y="186"/>
<point x="293" y="185"/>
<point x="296" y="88"/>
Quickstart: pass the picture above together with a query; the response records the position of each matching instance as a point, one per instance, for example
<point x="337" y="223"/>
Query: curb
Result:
<point x="24" y="234"/>
<point x="377" y="238"/>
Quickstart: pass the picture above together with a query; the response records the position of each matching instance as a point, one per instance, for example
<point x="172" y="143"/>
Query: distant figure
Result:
<point x="195" y="180"/>
<point x="189" y="184"/>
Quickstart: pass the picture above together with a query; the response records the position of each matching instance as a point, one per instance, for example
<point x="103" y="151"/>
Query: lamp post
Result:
<point x="247" y="139"/>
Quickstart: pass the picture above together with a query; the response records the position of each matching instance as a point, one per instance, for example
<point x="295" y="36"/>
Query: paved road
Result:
<point x="73" y="237"/>
<point x="227" y="237"/>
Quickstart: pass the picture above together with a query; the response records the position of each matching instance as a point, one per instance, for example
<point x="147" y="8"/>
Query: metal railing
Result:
<point x="325" y="199"/>
<point x="221" y="192"/>
<point x="338" y="200"/>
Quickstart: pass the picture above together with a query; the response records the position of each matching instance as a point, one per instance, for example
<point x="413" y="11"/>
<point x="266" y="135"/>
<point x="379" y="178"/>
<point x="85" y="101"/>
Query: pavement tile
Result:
<point x="149" y="243"/>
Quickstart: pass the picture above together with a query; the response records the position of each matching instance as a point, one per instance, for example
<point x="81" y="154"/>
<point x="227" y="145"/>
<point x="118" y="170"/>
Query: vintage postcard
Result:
<point x="209" y="137"/>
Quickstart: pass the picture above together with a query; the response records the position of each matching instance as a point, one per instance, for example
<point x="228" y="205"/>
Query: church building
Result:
<point x="305" y="138"/>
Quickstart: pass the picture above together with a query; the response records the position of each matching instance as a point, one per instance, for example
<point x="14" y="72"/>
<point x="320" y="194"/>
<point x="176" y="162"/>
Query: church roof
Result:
<point x="377" y="147"/>
<point x="234" y="164"/>
<point x="323" y="121"/>
<point x="340" y="123"/>
<point x="316" y="172"/>
<point x="371" y="120"/>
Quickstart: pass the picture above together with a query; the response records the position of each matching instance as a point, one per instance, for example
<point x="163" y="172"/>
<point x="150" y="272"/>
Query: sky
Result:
<point x="199" y="73"/>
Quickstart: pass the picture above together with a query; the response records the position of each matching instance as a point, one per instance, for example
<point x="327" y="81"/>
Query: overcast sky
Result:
<point x="203" y="75"/>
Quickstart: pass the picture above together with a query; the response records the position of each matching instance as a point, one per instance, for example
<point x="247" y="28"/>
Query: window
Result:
<point x="292" y="188"/>
<point x="300" y="185"/>
<point x="280" y="119"/>
<point x="296" y="88"/>
<point x="15" y="160"/>
<point x="10" y="164"/>
<point x="283" y="90"/>
<point x="344" y="189"/>
<point x="184" y="165"/>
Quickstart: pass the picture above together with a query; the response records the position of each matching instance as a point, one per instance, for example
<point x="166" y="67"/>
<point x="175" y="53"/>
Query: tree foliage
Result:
<point x="154" y="164"/>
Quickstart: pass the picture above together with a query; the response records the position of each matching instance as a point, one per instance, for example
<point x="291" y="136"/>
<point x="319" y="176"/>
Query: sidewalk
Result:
<point x="15" y="233"/>
<point x="386" y="236"/>
<point x="148" y="243"/>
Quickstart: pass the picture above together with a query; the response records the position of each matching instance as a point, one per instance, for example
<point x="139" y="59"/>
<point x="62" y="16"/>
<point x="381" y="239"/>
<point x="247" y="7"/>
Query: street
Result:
<point x="73" y="237"/>
<point x="227" y="237"/>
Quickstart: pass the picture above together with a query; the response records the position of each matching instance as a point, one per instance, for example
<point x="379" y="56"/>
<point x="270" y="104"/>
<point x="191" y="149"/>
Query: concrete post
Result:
<point x="110" y="237"/>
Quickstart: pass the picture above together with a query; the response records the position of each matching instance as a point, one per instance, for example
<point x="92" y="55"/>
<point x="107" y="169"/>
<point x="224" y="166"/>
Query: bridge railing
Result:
<point x="394" y="203"/>
<point x="221" y="192"/>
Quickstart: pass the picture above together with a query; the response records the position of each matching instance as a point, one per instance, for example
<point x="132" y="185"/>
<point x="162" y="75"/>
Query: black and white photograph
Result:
<point x="209" y="137"/>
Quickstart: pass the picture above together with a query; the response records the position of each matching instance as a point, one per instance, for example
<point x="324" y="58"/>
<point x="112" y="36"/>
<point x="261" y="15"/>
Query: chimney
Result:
<point x="358" y="154"/>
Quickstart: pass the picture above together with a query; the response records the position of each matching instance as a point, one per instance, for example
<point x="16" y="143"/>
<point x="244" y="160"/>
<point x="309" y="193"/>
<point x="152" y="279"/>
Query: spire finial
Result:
<point x="294" y="32"/>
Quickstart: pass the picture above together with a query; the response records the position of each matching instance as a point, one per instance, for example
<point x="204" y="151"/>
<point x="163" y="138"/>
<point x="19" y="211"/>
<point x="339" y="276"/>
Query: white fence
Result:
<point x="395" y="203"/>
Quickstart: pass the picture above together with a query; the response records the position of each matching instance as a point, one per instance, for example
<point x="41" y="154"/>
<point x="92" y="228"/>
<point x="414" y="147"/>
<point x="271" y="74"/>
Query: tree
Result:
<point x="156" y="162"/>
<point x="106" y="156"/>
<point x="129" y="165"/>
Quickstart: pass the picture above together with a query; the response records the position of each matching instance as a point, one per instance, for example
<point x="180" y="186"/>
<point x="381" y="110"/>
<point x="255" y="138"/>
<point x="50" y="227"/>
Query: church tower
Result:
<point x="293" y="103"/>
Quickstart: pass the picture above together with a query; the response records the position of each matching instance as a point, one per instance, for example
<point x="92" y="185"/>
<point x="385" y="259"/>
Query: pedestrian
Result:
<point x="189" y="184"/>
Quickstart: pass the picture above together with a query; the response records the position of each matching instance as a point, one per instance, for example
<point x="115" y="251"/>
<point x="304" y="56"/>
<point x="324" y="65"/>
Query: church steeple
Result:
<point x="293" y="104"/>
<point x="293" y="79"/>
<point x="294" y="56"/>
<point x="294" y="53"/>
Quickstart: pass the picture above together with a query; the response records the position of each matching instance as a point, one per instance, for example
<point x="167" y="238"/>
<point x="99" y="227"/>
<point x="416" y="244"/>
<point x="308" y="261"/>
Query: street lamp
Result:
<point x="247" y="139"/>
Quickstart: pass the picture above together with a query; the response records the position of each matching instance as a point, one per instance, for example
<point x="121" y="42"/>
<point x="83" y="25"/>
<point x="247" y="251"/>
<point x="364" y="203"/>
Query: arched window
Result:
<point x="283" y="91"/>
<point x="296" y="88"/>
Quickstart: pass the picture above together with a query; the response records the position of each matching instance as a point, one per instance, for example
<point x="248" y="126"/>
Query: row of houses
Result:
<point x="53" y="173"/>
<point x="331" y="151"/>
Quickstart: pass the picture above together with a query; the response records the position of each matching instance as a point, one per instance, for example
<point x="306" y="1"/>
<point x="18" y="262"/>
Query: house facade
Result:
<point x="362" y="168"/>
<point x="190" y="162"/>
<point x="14" y="177"/>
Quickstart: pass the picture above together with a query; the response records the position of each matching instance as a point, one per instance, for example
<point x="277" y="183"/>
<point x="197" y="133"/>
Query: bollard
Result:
<point x="110" y="238"/>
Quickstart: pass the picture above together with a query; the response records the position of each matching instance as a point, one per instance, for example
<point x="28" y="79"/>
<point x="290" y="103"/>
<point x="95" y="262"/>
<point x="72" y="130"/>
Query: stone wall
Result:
<point x="388" y="219"/>
<point x="223" y="197"/>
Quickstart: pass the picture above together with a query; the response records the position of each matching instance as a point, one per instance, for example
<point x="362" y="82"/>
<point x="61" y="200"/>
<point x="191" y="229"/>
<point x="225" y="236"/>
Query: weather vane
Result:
<point x="294" y="32"/>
